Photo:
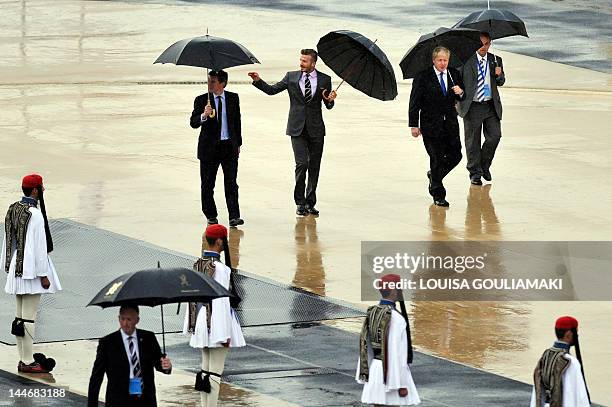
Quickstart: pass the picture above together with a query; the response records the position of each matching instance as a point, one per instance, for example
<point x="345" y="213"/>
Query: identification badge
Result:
<point x="487" y="90"/>
<point x="136" y="386"/>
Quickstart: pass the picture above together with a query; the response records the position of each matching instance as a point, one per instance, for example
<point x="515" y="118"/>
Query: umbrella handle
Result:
<point x="163" y="331"/>
<point x="213" y="113"/>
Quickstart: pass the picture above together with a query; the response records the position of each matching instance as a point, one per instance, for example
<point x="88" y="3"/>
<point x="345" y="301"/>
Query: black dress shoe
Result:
<point x="441" y="202"/>
<point x="476" y="181"/>
<point x="312" y="210"/>
<point x="236" y="222"/>
<point x="301" y="210"/>
<point x="212" y="221"/>
<point x="486" y="174"/>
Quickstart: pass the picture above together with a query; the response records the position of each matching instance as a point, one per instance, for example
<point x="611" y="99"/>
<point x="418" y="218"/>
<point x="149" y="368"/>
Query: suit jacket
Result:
<point x="112" y="360"/>
<point x="210" y="132"/>
<point x="301" y="113"/>
<point x="428" y="103"/>
<point x="469" y="71"/>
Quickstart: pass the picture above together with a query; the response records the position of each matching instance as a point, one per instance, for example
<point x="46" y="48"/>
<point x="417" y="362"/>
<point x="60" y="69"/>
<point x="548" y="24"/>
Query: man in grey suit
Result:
<point x="307" y="89"/>
<point x="482" y="109"/>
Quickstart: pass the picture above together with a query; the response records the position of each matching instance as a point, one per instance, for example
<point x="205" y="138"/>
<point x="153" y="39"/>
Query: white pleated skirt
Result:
<point x="17" y="285"/>
<point x="374" y="389"/>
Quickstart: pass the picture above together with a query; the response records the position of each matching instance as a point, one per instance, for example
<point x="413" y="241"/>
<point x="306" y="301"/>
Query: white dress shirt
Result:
<point x="479" y="61"/>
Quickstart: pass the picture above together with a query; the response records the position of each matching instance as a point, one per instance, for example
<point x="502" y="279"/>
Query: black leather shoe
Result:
<point x="236" y="222"/>
<point x="212" y="221"/>
<point x="301" y="210"/>
<point x="441" y="202"/>
<point x="476" y="181"/>
<point x="486" y="174"/>
<point x="312" y="210"/>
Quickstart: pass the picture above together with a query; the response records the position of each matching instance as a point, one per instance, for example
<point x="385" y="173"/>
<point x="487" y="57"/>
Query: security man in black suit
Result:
<point x="127" y="357"/>
<point x="432" y="100"/>
<point x="219" y="144"/>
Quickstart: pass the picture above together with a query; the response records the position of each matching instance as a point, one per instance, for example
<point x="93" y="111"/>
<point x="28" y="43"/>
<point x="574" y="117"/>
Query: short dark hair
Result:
<point x="27" y="191"/>
<point x="210" y="240"/>
<point x="486" y="35"/>
<point x="311" y="52"/>
<point x="126" y="307"/>
<point x="560" y="333"/>
<point x="221" y="76"/>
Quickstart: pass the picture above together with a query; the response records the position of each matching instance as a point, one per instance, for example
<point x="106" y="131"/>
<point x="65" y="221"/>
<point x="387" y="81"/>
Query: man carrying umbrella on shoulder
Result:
<point x="307" y="89"/>
<point x="432" y="113"/>
<point x="214" y="326"/>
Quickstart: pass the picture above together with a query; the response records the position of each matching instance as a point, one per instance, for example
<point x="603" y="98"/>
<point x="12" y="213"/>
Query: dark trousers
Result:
<point x="444" y="155"/>
<point x="307" y="151"/>
<point x="481" y="116"/>
<point x="223" y="154"/>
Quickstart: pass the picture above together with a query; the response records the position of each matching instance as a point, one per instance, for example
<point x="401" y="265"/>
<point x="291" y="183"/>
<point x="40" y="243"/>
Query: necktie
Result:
<point x="134" y="357"/>
<point x="481" y="82"/>
<point x="307" y="89"/>
<point x="219" y="112"/>
<point x="442" y="83"/>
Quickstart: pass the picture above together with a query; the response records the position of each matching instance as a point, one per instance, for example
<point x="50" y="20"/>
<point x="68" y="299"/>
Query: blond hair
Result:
<point x="440" y="50"/>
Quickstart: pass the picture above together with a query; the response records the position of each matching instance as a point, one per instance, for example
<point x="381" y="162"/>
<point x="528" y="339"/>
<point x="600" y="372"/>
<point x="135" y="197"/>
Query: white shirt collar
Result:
<point x="126" y="336"/>
<point x="438" y="72"/>
<point x="312" y="74"/>
<point x="482" y="58"/>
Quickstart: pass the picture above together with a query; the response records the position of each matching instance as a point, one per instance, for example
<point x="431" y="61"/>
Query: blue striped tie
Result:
<point x="134" y="358"/>
<point x="481" y="82"/>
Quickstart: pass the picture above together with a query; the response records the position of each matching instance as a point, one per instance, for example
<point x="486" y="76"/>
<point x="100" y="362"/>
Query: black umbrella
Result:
<point x="498" y="23"/>
<point x="157" y="287"/>
<point x="462" y="42"/>
<point x="207" y="52"/>
<point x="360" y="62"/>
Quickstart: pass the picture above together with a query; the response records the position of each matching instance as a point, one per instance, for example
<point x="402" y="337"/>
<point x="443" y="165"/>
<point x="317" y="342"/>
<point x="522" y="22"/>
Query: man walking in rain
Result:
<point x="25" y="257"/>
<point x="482" y="109"/>
<point x="213" y="326"/>
<point x="559" y="376"/>
<point x="384" y="350"/>
<point x="432" y="113"/>
<point x="307" y="89"/>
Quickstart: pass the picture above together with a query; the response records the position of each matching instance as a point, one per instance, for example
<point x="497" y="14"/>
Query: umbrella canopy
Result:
<point x="207" y="52"/>
<point x="359" y="62"/>
<point x="462" y="42"/>
<point x="498" y="23"/>
<point x="159" y="286"/>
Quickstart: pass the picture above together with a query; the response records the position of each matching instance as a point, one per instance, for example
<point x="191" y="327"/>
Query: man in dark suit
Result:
<point x="482" y="108"/>
<point x="307" y="88"/>
<point x="128" y="357"/>
<point x="219" y="144"/>
<point x="432" y="100"/>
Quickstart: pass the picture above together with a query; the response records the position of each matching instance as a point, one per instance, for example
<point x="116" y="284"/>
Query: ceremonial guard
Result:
<point x="25" y="257"/>
<point x="385" y="351"/>
<point x="559" y="376"/>
<point x="214" y="327"/>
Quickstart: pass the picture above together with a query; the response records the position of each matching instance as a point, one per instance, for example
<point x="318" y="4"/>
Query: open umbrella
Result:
<point x="498" y="23"/>
<point x="360" y="62"/>
<point x="207" y="52"/>
<point x="462" y="43"/>
<point x="157" y="287"/>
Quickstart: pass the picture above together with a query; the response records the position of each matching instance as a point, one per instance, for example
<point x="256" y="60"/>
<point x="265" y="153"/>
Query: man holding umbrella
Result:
<point x="482" y="109"/>
<point x="307" y="89"/>
<point x="30" y="271"/>
<point x="219" y="144"/>
<point x="214" y="326"/>
<point x="432" y="113"/>
<point x="559" y="376"/>
<point x="127" y="357"/>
